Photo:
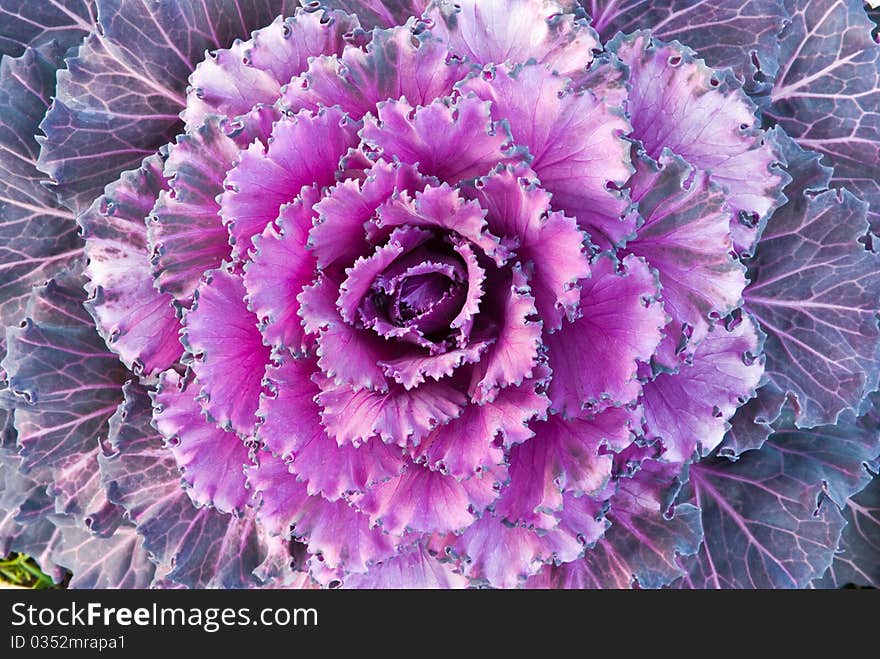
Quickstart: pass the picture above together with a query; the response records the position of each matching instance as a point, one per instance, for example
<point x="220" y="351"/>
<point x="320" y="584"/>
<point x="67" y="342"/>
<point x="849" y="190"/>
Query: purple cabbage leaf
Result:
<point x="433" y="294"/>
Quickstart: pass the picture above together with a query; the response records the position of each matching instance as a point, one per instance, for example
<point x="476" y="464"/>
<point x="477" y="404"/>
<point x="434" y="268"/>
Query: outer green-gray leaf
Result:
<point x="771" y="519"/>
<point x="37" y="237"/>
<point x="35" y="23"/>
<point x="119" y="98"/>
<point x="827" y="92"/>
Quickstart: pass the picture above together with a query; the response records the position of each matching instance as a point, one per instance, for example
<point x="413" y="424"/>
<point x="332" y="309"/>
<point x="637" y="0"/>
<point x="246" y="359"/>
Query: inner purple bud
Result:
<point x="419" y="295"/>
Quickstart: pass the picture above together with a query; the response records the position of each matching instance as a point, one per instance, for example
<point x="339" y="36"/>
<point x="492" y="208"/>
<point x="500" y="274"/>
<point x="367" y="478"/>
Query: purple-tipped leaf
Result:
<point x="473" y="442"/>
<point x="137" y="322"/>
<point x="575" y="142"/>
<point x="293" y="430"/>
<point x="453" y="143"/>
<point x="204" y="547"/>
<point x="707" y="119"/>
<point x="740" y="34"/>
<point x="185" y="232"/>
<point x="426" y="501"/>
<point x="373" y="13"/>
<point x="281" y="268"/>
<point x="594" y="359"/>
<point x="516" y="31"/>
<point x="340" y="535"/>
<point x="396" y="416"/>
<point x="686" y="237"/>
<point x="563" y="457"/>
<point x="504" y="556"/>
<point x="304" y="150"/>
<point x="689" y="410"/>
<point x="413" y="568"/>
<point x="643" y="542"/>
<point x="549" y="245"/>
<point x="397" y="63"/>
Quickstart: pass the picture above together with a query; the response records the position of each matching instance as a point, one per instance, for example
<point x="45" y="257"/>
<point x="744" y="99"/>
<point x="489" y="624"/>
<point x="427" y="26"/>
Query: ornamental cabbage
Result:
<point x="508" y="293"/>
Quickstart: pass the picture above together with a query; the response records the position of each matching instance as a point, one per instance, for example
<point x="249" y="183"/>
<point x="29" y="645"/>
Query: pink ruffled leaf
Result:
<point x="376" y="13"/>
<point x="397" y="64"/>
<point x="475" y="441"/>
<point x="513" y="356"/>
<point x="211" y="460"/>
<point x="349" y="355"/>
<point x="254" y="125"/>
<point x="412" y="568"/>
<point x="362" y="275"/>
<point x="549" y="244"/>
<point x="225" y="84"/>
<point x="426" y="501"/>
<point x="686" y="237"/>
<point x="565" y="455"/>
<point x="229" y="355"/>
<point x="411" y="370"/>
<point x="288" y="409"/>
<point x="339" y="235"/>
<point x="355" y="357"/>
<point x="137" y="322"/>
<point x="397" y="416"/>
<point x="304" y="150"/>
<point x="575" y="141"/>
<point x="185" y="233"/>
<point x="333" y="471"/>
<point x="293" y="429"/>
<point x="286" y="45"/>
<point x="676" y="102"/>
<point x="333" y="530"/>
<point x="594" y="359"/>
<point x="452" y="142"/>
<point x="517" y="31"/>
<point x="643" y="543"/>
<point x="281" y="268"/>
<point x="504" y="556"/>
<point x="231" y="81"/>
<point x="691" y="409"/>
<point x="464" y="319"/>
<point x="442" y="207"/>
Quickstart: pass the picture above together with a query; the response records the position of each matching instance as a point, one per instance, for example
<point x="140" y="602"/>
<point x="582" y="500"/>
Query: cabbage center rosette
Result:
<point x="445" y="307"/>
